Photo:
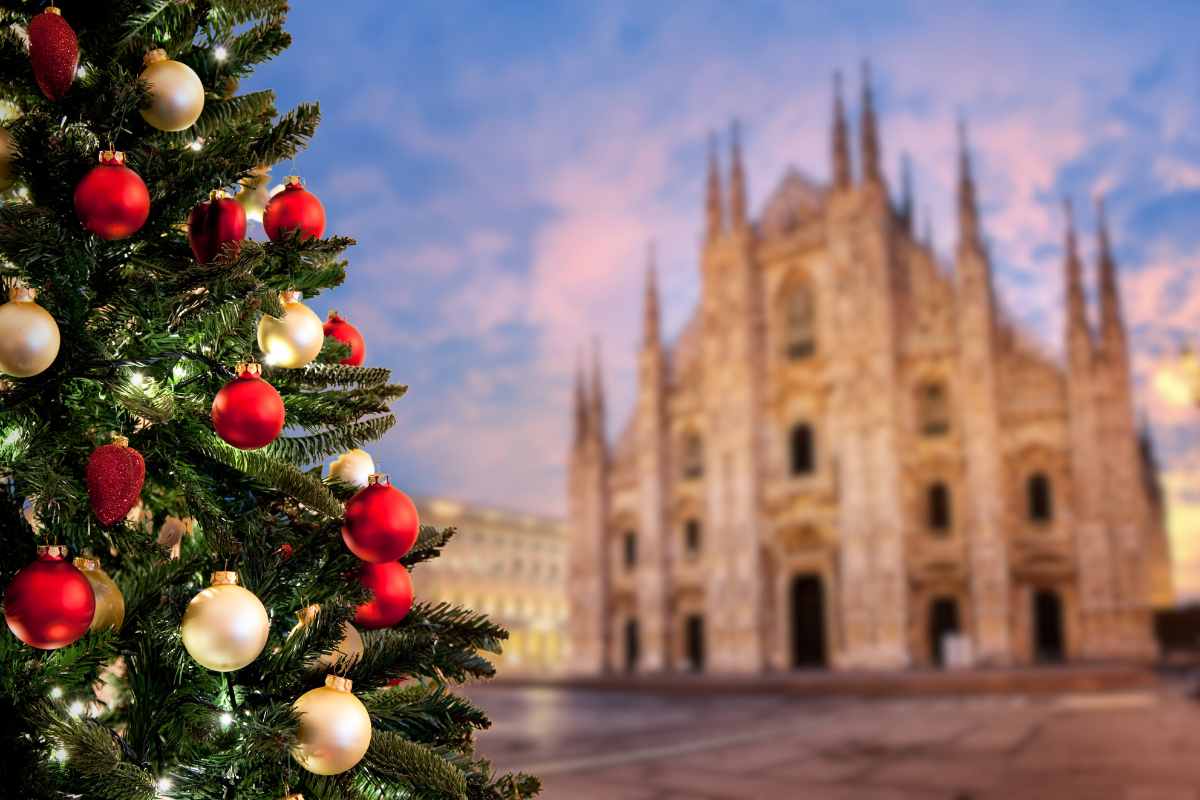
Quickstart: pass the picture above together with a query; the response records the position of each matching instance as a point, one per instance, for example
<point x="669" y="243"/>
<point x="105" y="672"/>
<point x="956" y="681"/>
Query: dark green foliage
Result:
<point x="148" y="337"/>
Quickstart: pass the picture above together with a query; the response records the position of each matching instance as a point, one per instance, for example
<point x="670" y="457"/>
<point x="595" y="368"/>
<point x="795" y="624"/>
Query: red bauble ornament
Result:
<point x="54" y="53"/>
<point x="393" y="595"/>
<point x="295" y="208"/>
<point x="218" y="221"/>
<point x="381" y="522"/>
<point x="248" y="412"/>
<point x="112" y="200"/>
<point x="49" y="603"/>
<point x="346" y="333"/>
<point x="115" y="474"/>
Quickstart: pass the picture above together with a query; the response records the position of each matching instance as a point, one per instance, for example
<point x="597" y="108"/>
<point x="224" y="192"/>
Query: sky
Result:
<point x="503" y="167"/>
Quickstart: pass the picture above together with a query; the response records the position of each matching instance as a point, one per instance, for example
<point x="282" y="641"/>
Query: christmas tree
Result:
<point x="197" y="608"/>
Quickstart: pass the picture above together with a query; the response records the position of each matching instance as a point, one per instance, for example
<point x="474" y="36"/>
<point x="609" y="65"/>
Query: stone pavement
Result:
<point x="590" y="744"/>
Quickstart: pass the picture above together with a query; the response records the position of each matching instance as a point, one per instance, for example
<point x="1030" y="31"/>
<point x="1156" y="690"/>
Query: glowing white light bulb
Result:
<point x="81" y="72"/>
<point x="226" y="719"/>
<point x="220" y="53"/>
<point x="137" y="379"/>
<point x="56" y="693"/>
<point x="164" y="784"/>
<point x="60" y="755"/>
<point x="197" y="144"/>
<point x="76" y="708"/>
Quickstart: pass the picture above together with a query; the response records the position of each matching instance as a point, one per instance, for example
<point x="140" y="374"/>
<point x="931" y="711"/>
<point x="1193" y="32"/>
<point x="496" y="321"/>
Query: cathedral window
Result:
<point x="804" y="460"/>
<point x="933" y="409"/>
<point x="693" y="457"/>
<point x="938" y="509"/>
<point x="691" y="537"/>
<point x="801" y="324"/>
<point x="1040" y="498"/>
<point x="630" y="549"/>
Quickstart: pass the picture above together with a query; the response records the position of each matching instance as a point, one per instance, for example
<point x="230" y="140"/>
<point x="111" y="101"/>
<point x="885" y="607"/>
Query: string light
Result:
<point x="60" y="755"/>
<point x="56" y="693"/>
<point x="76" y="708"/>
<point x="137" y="379"/>
<point x="197" y="144"/>
<point x="81" y="72"/>
<point x="220" y="53"/>
<point x="226" y="719"/>
<point x="164" y="784"/>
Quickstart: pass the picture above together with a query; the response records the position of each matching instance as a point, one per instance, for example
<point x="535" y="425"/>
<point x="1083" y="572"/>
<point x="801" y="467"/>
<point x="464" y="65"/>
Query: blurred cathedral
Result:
<point x="851" y="457"/>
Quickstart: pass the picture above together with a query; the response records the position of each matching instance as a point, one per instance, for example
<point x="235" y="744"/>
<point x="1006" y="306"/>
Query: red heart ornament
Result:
<point x="115" y="474"/>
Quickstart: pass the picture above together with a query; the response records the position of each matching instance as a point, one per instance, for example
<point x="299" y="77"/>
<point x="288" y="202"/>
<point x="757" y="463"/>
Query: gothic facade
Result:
<point x="851" y="457"/>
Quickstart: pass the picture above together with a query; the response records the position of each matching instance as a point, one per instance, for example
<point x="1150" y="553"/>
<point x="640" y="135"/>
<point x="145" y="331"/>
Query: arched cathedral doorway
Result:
<point x="808" y="621"/>
<point x="1048" y="644"/>
<point x="943" y="621"/>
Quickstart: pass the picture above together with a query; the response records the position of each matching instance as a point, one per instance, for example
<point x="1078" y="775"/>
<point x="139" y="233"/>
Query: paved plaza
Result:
<point x="588" y="744"/>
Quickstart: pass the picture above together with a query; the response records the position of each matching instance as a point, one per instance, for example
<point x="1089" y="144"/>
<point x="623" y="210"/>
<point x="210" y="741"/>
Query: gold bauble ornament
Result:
<point x="176" y="93"/>
<point x="110" y="603"/>
<point x="7" y="151"/>
<point x="225" y="627"/>
<point x="349" y="650"/>
<point x="293" y="340"/>
<point x="29" y="337"/>
<point x="335" y="728"/>
<point x="353" y="467"/>
<point x="255" y="194"/>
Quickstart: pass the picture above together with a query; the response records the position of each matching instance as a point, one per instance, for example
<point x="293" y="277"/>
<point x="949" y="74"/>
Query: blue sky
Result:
<point x="503" y="166"/>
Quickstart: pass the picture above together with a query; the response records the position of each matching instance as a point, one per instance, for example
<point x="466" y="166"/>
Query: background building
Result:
<point x="851" y="452"/>
<point x="510" y="566"/>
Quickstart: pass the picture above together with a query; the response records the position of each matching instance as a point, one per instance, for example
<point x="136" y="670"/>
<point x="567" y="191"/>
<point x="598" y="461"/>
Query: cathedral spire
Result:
<point x="737" y="179"/>
<point x="1077" y="322"/>
<point x="1112" y="326"/>
<point x="869" y="134"/>
<point x="907" y="211"/>
<point x="650" y="326"/>
<point x="840" y="138"/>
<point x="968" y="210"/>
<point x="581" y="402"/>
<point x="714" y="202"/>
<point x="597" y="400"/>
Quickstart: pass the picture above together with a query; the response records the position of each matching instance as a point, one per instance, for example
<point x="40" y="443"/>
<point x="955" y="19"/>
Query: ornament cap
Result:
<point x="54" y="551"/>
<point x="249" y="368"/>
<point x="308" y="614"/>
<point x="293" y="181"/>
<point x="224" y="578"/>
<point x="120" y="440"/>
<point x="291" y="296"/>
<point x="339" y="683"/>
<point x="110" y="157"/>
<point x="333" y="314"/>
<point x="154" y="56"/>
<point x="378" y="477"/>
<point x="86" y="564"/>
<point x="22" y="294"/>
<point x="218" y="194"/>
<point x="52" y="10"/>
